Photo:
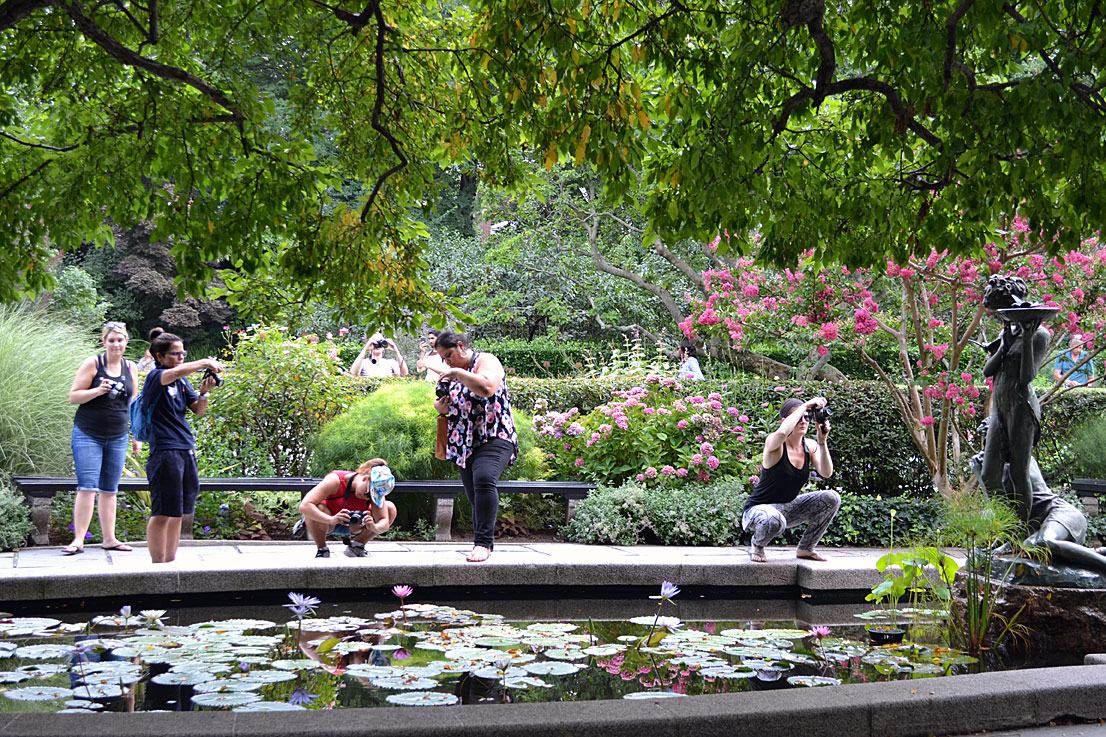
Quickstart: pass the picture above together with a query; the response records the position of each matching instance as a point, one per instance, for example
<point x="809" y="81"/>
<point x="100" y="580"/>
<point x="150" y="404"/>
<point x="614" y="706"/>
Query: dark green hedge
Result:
<point x="544" y="356"/>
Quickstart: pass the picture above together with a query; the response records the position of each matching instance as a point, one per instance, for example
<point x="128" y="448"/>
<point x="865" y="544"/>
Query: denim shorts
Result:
<point x="174" y="482"/>
<point x="99" y="462"/>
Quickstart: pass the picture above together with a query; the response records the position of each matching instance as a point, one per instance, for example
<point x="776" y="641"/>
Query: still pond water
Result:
<point x="371" y="655"/>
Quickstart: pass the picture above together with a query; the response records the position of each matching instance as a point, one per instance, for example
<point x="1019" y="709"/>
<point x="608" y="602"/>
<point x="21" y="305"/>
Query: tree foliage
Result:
<point x="310" y="137"/>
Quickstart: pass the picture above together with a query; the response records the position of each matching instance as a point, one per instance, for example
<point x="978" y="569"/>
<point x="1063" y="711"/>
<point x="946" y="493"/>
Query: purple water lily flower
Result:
<point x="302" y="604"/>
<point x="299" y="697"/>
<point x="668" y="591"/>
<point x="820" y="631"/>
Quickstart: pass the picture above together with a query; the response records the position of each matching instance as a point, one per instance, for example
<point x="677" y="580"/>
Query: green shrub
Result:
<point x="711" y="515"/>
<point x="277" y="395"/>
<point x="697" y="515"/>
<point x="397" y="423"/>
<point x="15" y="516"/>
<point x="543" y="356"/>
<point x="1088" y="448"/>
<point x="39" y="357"/>
<point x="610" y="515"/>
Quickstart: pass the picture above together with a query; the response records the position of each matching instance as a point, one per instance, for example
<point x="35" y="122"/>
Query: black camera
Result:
<point x="356" y="518"/>
<point x="116" y="389"/>
<point x="382" y="343"/>
<point x="822" y="415"/>
<point x="442" y="388"/>
<point x="210" y="373"/>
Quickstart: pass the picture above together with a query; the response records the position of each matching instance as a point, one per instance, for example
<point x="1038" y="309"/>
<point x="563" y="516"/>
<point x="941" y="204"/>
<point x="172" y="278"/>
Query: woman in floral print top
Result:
<point x="482" y="440"/>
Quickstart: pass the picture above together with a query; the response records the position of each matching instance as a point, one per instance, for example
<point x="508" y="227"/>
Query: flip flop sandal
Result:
<point x="72" y="550"/>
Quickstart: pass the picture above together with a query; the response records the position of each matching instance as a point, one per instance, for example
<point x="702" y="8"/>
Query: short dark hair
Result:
<point x="689" y="349"/>
<point x="162" y="342"/>
<point x="450" y="339"/>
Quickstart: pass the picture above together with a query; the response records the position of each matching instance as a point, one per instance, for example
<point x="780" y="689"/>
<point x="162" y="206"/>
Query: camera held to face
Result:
<point x="210" y="373"/>
<point x="356" y="518"/>
<point x="381" y="343"/>
<point x="822" y="415"/>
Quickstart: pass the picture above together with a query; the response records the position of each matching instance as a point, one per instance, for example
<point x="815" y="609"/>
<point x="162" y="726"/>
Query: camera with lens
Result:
<point x="210" y="373"/>
<point x="117" y="387"/>
<point x="356" y="518"/>
<point x="822" y="415"/>
<point x="442" y="388"/>
<point x="382" y="343"/>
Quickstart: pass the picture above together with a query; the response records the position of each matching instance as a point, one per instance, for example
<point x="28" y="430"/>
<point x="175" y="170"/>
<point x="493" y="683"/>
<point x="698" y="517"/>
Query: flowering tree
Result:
<point x="929" y="308"/>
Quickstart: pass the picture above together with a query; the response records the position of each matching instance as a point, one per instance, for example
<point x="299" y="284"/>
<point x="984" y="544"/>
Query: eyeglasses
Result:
<point x="115" y="325"/>
<point x="805" y="417"/>
<point x="178" y="354"/>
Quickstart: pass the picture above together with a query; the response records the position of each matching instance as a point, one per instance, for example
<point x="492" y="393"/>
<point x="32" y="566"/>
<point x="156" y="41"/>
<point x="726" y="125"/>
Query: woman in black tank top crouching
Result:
<point x="775" y="503"/>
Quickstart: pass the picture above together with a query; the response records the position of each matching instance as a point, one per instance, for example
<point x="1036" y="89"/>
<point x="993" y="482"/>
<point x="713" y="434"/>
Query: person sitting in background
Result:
<point x="147" y="361"/>
<point x="370" y="361"/>
<point x="689" y="361"/>
<point x="775" y="504"/>
<point x="1066" y="361"/>
<point x="327" y="508"/>
<point x="429" y="360"/>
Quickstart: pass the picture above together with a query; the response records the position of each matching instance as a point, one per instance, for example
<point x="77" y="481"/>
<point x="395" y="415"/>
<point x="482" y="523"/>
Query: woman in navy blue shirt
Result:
<point x="171" y="466"/>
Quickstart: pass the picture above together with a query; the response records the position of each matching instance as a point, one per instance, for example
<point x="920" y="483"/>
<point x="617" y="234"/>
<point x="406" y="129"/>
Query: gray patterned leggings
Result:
<point x="768" y="520"/>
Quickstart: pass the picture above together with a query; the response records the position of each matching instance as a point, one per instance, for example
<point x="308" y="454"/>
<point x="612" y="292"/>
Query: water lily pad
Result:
<point x="13" y="676"/>
<point x="98" y="691"/>
<point x="224" y="699"/>
<point x="227" y="685"/>
<point x="84" y="704"/>
<point x="727" y="672"/>
<point x="201" y="665"/>
<point x="404" y="683"/>
<point x="272" y="676"/>
<point x="565" y="654"/>
<point x="43" y="670"/>
<point x="269" y="706"/>
<point x="297" y="664"/>
<point x="43" y="652"/>
<point x="110" y="678"/>
<point x="183" y="678"/>
<point x="364" y="670"/>
<point x="526" y="682"/>
<point x="236" y="624"/>
<point x="552" y="627"/>
<point x="813" y="681"/>
<point x="495" y="673"/>
<point x="28" y="624"/>
<point x="551" y="668"/>
<point x="39" y="693"/>
<point x="492" y="641"/>
<point x="603" y="651"/>
<point x="644" y="695"/>
<point x="431" y="669"/>
<point x="422" y="698"/>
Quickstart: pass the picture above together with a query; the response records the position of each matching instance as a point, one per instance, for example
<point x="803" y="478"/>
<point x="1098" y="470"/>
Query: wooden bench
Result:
<point x="41" y="490"/>
<point x="1091" y="493"/>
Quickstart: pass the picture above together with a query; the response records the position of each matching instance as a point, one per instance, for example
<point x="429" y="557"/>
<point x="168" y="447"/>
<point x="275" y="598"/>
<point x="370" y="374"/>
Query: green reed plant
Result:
<point x="982" y="524"/>
<point x="39" y="356"/>
<point x="1088" y="449"/>
<point x="15" y="516"/>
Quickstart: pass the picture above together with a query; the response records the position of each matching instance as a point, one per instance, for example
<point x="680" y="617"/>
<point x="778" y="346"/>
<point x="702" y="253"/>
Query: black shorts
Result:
<point x="174" y="482"/>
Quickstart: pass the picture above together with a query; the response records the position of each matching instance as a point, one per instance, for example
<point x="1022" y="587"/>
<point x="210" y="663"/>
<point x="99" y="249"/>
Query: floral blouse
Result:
<point x="474" y="420"/>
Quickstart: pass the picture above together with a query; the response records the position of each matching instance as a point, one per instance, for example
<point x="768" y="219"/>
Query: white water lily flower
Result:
<point x="153" y="616"/>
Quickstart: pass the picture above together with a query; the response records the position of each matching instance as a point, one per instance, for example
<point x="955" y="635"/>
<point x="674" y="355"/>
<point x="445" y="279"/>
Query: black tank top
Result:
<point x="106" y="417"/>
<point x="780" y="483"/>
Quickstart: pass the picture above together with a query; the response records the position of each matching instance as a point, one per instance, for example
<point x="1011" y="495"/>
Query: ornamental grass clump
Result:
<point x="660" y="434"/>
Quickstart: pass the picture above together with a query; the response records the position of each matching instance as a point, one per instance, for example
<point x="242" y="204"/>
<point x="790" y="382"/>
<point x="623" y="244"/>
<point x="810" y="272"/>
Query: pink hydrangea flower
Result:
<point x="681" y="472"/>
<point x="639" y="477"/>
<point x="713" y="462"/>
<point x="650" y="473"/>
<point x="681" y="424"/>
<point x="668" y="470"/>
<point x="706" y="449"/>
<point x="579" y="462"/>
<point x="696" y="459"/>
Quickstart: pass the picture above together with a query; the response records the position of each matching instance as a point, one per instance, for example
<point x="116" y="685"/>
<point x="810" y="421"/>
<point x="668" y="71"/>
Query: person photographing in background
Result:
<point x="429" y="361"/>
<point x="775" y="503"/>
<point x="371" y="362"/>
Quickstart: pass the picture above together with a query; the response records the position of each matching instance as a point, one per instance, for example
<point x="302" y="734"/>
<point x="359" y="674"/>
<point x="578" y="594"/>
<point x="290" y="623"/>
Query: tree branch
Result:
<point x="378" y="107"/>
<point x="129" y="58"/>
<point x="951" y="29"/>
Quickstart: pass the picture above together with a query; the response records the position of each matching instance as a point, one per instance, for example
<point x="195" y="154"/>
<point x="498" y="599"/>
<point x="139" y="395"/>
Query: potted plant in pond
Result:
<point x="924" y="575"/>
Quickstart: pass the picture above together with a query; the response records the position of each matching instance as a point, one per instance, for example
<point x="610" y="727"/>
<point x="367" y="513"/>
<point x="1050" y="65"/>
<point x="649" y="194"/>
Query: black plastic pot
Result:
<point x="885" y="635"/>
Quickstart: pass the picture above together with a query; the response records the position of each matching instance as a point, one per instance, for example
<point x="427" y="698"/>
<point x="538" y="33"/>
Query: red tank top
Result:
<point x="345" y="498"/>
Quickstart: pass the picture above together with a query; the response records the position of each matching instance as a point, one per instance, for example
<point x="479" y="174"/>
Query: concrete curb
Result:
<point x="947" y="705"/>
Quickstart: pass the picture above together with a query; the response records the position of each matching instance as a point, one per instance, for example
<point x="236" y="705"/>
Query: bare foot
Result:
<point x="479" y="554"/>
<point x="809" y="555"/>
<point x="758" y="556"/>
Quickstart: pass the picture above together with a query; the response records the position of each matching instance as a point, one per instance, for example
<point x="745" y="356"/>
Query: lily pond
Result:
<point x="423" y="655"/>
